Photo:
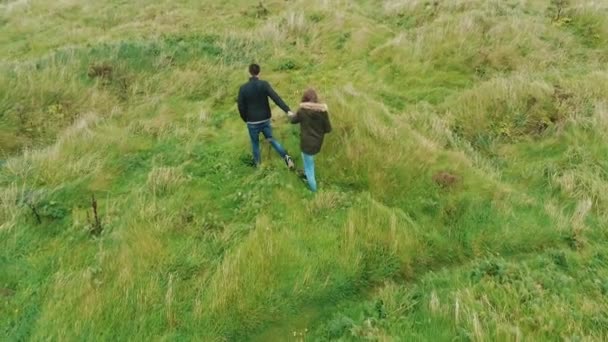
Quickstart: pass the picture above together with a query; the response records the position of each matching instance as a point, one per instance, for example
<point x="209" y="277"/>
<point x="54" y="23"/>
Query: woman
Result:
<point x="314" y="124"/>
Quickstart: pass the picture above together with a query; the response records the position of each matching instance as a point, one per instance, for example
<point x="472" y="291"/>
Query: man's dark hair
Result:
<point x="254" y="69"/>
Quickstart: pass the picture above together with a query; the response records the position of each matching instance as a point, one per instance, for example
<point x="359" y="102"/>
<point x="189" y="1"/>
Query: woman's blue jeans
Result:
<point x="309" y="170"/>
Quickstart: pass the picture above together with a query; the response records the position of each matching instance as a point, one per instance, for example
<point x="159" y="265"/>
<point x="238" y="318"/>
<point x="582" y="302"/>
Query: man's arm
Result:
<point x="242" y="105"/>
<point x="276" y="98"/>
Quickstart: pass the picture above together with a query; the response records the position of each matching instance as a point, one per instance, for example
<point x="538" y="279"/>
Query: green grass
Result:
<point x="463" y="189"/>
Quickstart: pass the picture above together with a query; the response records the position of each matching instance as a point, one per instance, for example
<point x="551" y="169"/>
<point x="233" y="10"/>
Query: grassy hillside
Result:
<point x="464" y="190"/>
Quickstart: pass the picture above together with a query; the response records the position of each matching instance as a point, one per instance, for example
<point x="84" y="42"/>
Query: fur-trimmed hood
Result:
<point x="317" y="107"/>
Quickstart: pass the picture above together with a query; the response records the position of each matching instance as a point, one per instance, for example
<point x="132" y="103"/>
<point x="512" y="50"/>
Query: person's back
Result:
<point x="314" y="124"/>
<point x="253" y="100"/>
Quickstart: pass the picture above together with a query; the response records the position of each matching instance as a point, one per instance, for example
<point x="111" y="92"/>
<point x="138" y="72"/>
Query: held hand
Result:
<point x="290" y="114"/>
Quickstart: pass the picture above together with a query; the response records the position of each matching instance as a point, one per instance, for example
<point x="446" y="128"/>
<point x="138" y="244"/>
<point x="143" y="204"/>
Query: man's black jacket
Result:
<point x="253" y="100"/>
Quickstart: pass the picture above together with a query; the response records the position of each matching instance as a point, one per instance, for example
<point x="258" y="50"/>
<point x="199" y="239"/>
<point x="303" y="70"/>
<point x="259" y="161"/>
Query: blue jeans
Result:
<point x="309" y="170"/>
<point x="254" y="134"/>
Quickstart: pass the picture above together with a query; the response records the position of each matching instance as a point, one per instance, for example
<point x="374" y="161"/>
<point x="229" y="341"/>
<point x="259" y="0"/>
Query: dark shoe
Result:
<point x="290" y="164"/>
<point x="302" y="175"/>
<point x="248" y="161"/>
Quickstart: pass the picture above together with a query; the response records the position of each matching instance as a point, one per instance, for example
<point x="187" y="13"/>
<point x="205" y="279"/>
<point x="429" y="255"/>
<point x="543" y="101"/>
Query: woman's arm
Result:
<point x="295" y="119"/>
<point x="327" y="122"/>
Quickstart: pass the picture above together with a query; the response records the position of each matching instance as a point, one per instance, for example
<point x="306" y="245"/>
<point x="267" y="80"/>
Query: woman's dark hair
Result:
<point x="254" y="69"/>
<point x="310" y="95"/>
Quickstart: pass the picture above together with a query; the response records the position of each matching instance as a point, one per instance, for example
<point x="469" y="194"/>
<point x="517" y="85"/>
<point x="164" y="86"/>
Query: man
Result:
<point x="255" y="111"/>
